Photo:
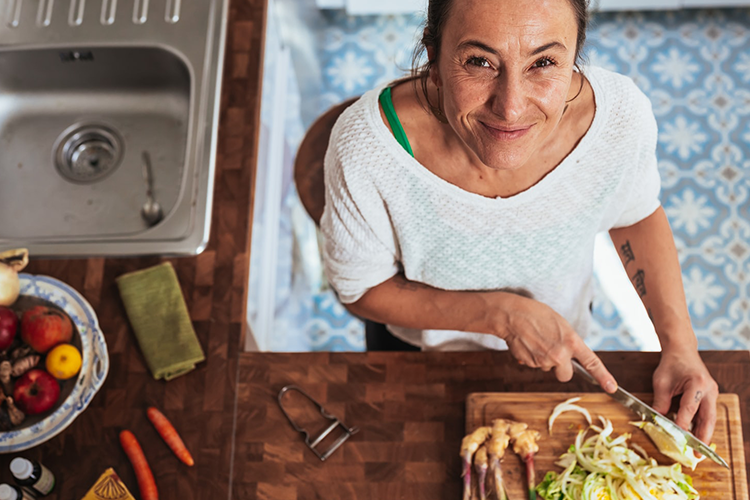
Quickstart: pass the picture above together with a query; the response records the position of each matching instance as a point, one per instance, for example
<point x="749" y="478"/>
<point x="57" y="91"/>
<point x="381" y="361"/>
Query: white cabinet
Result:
<point x="274" y="164"/>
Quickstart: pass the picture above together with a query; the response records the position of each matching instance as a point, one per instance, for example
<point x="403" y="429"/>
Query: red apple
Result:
<point x="8" y="327"/>
<point x="43" y="328"/>
<point x="36" y="392"/>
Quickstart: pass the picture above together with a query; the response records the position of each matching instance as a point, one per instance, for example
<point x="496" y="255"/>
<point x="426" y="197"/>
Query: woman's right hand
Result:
<point x="539" y="337"/>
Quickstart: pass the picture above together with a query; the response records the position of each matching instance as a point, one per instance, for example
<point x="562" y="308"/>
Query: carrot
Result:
<point x="168" y="433"/>
<point x="133" y="450"/>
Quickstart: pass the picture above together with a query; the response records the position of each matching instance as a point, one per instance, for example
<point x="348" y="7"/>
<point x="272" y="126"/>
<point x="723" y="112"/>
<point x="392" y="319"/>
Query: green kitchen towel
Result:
<point x="159" y="317"/>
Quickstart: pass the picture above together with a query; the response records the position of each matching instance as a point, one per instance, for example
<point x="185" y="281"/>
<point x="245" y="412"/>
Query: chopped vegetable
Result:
<point x="603" y="467"/>
<point x="143" y="474"/>
<point x="672" y="444"/>
<point x="168" y="433"/>
<point x="568" y="406"/>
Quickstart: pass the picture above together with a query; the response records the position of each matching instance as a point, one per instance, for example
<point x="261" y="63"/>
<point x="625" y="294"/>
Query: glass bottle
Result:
<point x="33" y="475"/>
<point x="10" y="492"/>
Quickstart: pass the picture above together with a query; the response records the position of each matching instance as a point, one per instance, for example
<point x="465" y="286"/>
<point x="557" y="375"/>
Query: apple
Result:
<point x="43" y="328"/>
<point x="36" y="392"/>
<point x="8" y="327"/>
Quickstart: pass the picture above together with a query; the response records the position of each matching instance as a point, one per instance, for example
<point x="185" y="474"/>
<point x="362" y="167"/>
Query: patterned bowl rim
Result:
<point x="93" y="372"/>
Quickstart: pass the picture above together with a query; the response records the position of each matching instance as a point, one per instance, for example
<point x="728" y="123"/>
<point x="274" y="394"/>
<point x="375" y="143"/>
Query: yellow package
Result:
<point x="108" y="487"/>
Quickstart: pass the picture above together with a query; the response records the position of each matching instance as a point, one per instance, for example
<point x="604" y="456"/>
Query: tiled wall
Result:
<point x="695" y="67"/>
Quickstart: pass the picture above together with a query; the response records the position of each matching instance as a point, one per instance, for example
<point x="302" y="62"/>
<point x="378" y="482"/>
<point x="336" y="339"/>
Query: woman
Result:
<point x="462" y="211"/>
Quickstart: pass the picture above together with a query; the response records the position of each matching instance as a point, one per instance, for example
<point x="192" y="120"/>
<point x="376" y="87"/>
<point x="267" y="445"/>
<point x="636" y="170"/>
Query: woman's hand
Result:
<point x="539" y="337"/>
<point x="681" y="371"/>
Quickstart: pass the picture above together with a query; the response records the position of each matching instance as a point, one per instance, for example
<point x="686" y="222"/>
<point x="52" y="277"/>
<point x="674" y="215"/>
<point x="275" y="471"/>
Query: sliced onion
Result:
<point x="568" y="406"/>
<point x="600" y="462"/>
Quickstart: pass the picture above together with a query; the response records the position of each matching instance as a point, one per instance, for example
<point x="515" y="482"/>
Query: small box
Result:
<point x="109" y="486"/>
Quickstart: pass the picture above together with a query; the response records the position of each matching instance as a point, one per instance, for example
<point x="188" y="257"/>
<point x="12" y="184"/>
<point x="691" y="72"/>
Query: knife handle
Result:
<point x="582" y="371"/>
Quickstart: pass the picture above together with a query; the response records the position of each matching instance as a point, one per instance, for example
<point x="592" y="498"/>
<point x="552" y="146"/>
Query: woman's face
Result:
<point x="504" y="71"/>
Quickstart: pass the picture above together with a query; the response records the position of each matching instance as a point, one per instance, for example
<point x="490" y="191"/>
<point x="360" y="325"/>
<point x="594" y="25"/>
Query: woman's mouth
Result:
<point x="505" y="133"/>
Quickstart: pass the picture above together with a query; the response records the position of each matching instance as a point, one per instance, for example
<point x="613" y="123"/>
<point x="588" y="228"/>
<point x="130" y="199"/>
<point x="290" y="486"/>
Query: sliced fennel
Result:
<point x="567" y="406"/>
<point x="672" y="444"/>
<point x="602" y="467"/>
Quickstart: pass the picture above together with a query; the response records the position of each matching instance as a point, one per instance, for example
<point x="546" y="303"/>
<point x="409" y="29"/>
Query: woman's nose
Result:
<point x="508" y="100"/>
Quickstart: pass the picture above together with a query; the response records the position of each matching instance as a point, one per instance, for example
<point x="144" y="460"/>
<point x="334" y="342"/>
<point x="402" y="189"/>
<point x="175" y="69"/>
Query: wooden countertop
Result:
<point x="214" y="283"/>
<point x="410" y="410"/>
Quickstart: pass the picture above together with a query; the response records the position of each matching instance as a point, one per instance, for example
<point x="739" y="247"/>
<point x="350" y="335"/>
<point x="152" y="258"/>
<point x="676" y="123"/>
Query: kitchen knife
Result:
<point x="649" y="414"/>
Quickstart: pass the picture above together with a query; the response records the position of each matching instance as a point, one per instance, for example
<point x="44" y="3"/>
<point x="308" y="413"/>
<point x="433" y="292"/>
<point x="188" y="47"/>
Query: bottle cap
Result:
<point x="21" y="468"/>
<point x="7" y="492"/>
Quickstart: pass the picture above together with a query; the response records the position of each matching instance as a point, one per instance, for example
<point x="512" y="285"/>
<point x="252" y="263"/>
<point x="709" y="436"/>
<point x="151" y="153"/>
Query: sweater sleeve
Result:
<point x="644" y="183"/>
<point x="359" y="244"/>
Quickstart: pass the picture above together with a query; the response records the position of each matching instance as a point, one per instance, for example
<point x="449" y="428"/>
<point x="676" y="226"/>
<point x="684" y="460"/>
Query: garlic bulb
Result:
<point x="11" y="263"/>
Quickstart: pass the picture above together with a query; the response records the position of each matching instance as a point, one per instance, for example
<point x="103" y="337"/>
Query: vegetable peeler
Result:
<point x="313" y="443"/>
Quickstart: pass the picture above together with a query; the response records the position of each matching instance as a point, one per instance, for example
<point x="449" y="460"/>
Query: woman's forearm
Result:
<point x="536" y="335"/>
<point x="401" y="302"/>
<point x="648" y="252"/>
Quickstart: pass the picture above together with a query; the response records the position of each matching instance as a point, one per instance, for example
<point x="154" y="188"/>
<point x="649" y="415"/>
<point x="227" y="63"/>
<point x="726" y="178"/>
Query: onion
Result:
<point x="568" y="406"/>
<point x="11" y="262"/>
<point x="598" y="467"/>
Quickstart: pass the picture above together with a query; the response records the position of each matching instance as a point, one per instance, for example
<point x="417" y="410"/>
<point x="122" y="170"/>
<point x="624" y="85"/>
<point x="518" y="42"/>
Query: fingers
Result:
<point x="596" y="368"/>
<point x="662" y="395"/>
<point x="689" y="403"/>
<point x="705" y="420"/>
<point x="564" y="372"/>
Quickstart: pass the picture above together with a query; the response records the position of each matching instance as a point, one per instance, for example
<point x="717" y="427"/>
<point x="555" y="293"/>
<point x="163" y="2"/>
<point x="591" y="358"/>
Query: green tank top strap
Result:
<point x="390" y="114"/>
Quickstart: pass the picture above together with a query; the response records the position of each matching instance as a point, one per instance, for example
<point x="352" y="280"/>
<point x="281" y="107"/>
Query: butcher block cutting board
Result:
<point x="709" y="478"/>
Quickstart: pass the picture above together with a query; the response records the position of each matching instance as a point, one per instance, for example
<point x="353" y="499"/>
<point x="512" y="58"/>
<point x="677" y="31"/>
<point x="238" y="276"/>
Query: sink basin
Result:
<point x="87" y="91"/>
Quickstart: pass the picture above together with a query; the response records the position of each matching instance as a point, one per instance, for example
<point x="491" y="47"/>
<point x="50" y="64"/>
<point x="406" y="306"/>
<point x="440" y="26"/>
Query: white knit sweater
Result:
<point x="386" y="213"/>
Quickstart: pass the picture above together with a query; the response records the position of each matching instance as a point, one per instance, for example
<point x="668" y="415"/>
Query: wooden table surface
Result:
<point x="410" y="409"/>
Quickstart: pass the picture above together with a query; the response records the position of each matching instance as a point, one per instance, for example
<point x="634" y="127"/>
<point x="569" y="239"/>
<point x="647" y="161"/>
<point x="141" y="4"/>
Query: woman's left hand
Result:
<point x="683" y="372"/>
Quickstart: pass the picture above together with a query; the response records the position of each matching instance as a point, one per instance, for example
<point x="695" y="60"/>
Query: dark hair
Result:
<point x="437" y="15"/>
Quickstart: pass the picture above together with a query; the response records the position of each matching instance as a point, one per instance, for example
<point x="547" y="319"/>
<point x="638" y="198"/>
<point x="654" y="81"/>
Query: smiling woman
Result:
<point x="462" y="204"/>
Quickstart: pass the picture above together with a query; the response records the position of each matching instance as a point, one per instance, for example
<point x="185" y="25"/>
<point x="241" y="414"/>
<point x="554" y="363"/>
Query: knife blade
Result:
<point x="649" y="414"/>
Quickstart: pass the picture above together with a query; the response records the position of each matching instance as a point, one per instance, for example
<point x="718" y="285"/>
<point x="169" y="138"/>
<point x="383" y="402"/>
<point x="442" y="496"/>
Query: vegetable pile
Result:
<point x="602" y="466"/>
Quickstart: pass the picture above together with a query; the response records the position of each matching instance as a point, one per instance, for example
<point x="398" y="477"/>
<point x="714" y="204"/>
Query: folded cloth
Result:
<point x="159" y="317"/>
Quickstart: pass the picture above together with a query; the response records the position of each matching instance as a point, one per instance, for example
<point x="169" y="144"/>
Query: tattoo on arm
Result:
<point x="639" y="282"/>
<point x="627" y="253"/>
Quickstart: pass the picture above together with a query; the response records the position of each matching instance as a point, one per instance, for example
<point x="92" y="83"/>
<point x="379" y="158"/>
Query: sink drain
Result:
<point x="87" y="153"/>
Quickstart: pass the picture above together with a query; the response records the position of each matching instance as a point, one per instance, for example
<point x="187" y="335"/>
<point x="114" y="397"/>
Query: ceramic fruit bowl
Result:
<point x="75" y="393"/>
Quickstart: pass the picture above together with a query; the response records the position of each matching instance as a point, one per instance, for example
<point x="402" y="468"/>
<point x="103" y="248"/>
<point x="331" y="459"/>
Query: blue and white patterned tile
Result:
<point x="708" y="291"/>
<point x="694" y="212"/>
<point x="332" y="327"/>
<point x="694" y="65"/>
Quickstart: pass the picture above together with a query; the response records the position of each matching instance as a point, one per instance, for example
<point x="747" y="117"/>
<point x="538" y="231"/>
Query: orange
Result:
<point x="64" y="361"/>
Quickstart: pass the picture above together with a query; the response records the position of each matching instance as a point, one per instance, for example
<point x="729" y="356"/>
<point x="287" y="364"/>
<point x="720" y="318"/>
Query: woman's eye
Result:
<point x="544" y="62"/>
<point x="478" y="62"/>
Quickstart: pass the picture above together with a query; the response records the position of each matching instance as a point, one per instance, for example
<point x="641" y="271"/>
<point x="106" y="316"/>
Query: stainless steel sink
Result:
<point x="88" y="89"/>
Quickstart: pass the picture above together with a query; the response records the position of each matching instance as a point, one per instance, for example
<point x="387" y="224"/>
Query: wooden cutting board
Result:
<point x="709" y="478"/>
